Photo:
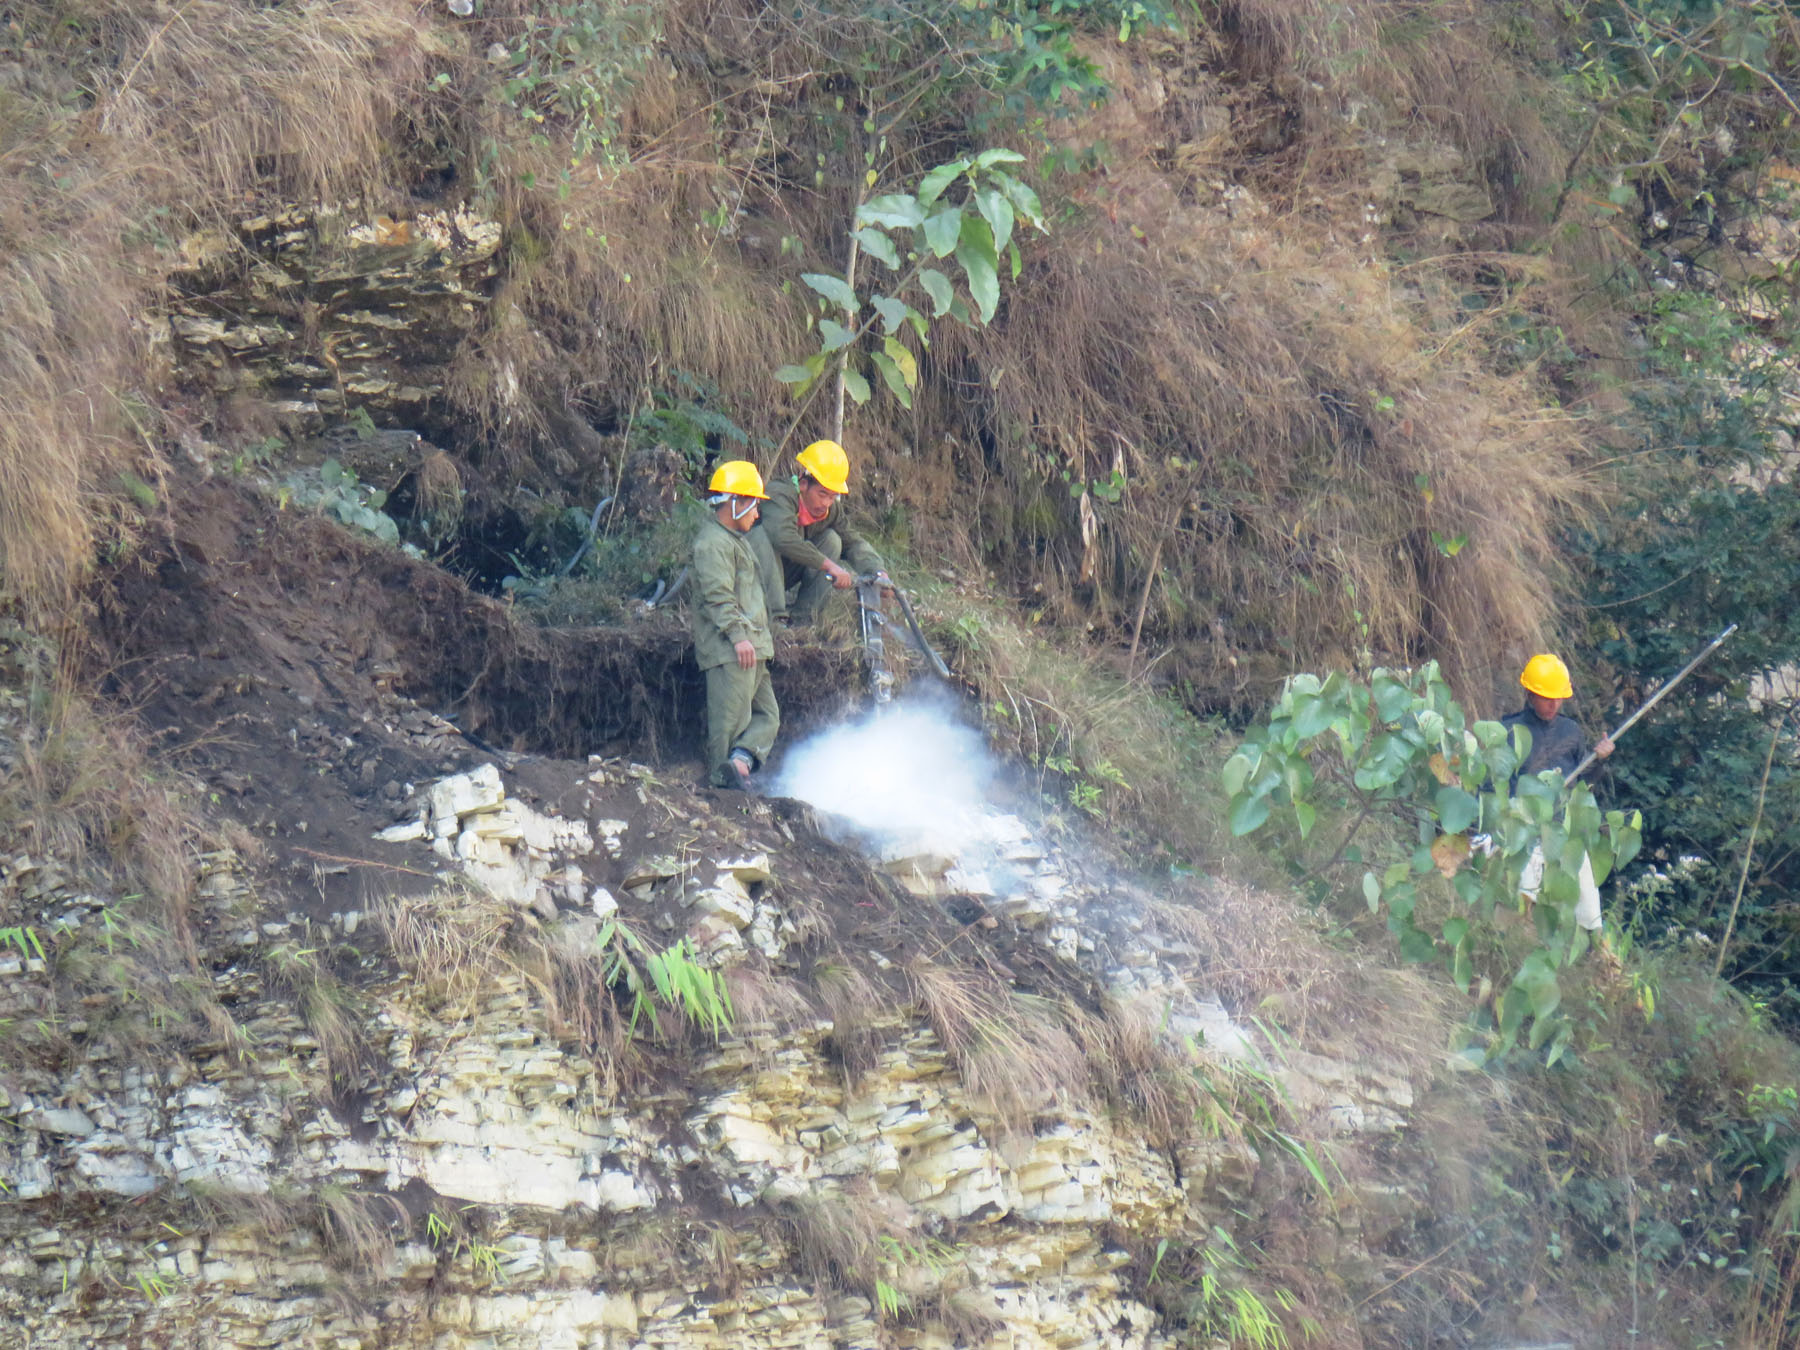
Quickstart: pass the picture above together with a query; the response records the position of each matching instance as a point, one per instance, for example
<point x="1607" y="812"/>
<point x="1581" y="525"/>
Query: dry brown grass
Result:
<point x="1294" y="426"/>
<point x="837" y="1234"/>
<point x="140" y="123"/>
<point x="1014" y="1051"/>
<point x="764" y="1001"/>
<point x="459" y="943"/>
<point x="1264" y="954"/>
<point x="451" y="941"/>
<point x="297" y="971"/>
<point x="77" y="791"/>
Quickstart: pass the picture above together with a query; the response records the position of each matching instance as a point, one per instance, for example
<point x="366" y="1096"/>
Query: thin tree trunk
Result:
<point x="1137" y="628"/>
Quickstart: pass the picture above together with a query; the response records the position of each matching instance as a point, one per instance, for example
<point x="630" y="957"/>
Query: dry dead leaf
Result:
<point x="1450" y="852"/>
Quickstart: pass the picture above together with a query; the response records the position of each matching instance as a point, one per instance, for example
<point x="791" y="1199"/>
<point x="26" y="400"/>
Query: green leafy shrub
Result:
<point x="1400" y="747"/>
<point x="333" y="490"/>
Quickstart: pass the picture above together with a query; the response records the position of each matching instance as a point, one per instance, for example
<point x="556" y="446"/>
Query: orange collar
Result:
<point x="807" y="517"/>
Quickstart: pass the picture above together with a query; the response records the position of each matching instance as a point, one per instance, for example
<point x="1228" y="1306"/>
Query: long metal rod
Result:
<point x="912" y="622"/>
<point x="1656" y="698"/>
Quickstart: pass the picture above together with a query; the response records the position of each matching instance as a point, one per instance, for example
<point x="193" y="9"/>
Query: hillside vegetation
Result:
<point x="1273" y="335"/>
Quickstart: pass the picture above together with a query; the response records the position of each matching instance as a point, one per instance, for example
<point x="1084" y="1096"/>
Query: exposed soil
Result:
<point x="314" y="679"/>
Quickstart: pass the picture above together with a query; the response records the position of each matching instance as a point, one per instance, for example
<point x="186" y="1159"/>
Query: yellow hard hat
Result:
<point x="738" y="478"/>
<point x="1546" y="676"/>
<point x="827" y="463"/>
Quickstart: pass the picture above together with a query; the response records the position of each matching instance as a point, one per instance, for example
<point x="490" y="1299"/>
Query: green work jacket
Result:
<point x="728" y="602"/>
<point x="794" y="542"/>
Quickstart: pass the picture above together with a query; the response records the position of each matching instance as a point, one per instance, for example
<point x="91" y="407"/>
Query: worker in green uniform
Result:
<point x="731" y="631"/>
<point x="804" y="541"/>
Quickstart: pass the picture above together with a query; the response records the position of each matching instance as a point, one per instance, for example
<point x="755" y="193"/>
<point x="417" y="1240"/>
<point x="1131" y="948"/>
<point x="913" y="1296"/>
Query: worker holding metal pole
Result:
<point x="1557" y="742"/>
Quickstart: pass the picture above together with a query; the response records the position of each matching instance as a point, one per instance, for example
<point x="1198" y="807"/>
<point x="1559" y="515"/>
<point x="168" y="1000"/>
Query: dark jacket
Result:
<point x="794" y="542"/>
<point x="1554" y="745"/>
<point x="727" y="598"/>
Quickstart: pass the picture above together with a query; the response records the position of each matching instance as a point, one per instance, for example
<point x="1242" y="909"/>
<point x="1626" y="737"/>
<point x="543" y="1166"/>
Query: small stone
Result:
<point x="648" y="871"/>
<point x="728" y="904"/>
<point x="403" y="833"/>
<point x="749" y="870"/>
<point x="65" y="1120"/>
<point x="605" y="905"/>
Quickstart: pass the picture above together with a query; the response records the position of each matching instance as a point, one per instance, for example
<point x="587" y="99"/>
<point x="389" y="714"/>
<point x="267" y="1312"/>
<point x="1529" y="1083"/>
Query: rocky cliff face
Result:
<point x="957" y="1098"/>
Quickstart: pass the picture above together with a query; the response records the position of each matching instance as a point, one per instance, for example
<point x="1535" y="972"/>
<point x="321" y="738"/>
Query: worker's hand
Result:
<point x="839" y="574"/>
<point x="887" y="585"/>
<point x="746" y="654"/>
<point x="1605" y="748"/>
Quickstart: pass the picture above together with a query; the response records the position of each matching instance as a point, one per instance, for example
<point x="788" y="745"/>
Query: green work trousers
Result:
<point x="741" y="714"/>
<point x="810" y="586"/>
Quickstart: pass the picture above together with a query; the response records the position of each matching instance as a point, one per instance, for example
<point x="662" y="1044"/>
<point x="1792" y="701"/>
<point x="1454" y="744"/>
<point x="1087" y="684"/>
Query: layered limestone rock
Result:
<point x="468" y="1174"/>
<point x="317" y="311"/>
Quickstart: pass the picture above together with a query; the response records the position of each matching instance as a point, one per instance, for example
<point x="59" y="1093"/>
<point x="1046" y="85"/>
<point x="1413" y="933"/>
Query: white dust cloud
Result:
<point x="908" y="771"/>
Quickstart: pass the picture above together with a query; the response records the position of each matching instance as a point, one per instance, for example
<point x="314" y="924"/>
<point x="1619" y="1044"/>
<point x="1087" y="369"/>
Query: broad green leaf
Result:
<point x="796" y="374"/>
<point x="1313" y="717"/>
<point x="1417" y="946"/>
<point x="878" y="245"/>
<point x="856" y="386"/>
<point x="937" y="286"/>
<point x="891" y="376"/>
<point x="834" y="335"/>
<point x="998" y="155"/>
<point x="943" y="230"/>
<point x="895" y="351"/>
<point x="895" y="211"/>
<point x="1392" y="698"/>
<point x="975" y="251"/>
<point x="932" y="185"/>
<point x="1237" y="771"/>
<point x="1024" y="200"/>
<point x="1247" y="813"/>
<point x="998" y="213"/>
<point x="1385" y="763"/>
<point x="1371" y="891"/>
<point x="834" y="289"/>
<point x="892" y="312"/>
<point x="1305" y="816"/>
<point x="1013" y="260"/>
<point x="1542" y="1029"/>
<point x="1456" y="809"/>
